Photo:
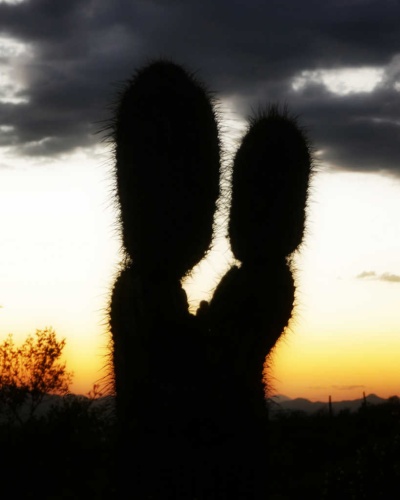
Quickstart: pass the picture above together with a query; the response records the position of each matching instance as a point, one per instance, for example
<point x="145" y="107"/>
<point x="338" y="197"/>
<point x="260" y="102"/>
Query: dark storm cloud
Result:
<point x="372" y="275"/>
<point x="356" y="131"/>
<point x="249" y="51"/>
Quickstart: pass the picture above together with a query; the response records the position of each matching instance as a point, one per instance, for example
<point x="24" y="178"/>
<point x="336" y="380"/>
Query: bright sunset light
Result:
<point x="59" y="242"/>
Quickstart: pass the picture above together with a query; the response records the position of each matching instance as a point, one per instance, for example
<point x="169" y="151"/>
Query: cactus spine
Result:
<point x="194" y="383"/>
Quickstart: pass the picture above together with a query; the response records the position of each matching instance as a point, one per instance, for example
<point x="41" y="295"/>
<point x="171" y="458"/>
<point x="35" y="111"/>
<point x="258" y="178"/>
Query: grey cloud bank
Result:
<point x="250" y="52"/>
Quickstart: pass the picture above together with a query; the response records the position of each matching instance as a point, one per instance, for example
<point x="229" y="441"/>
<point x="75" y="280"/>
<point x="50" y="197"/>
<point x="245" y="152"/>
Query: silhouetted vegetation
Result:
<point x="53" y="444"/>
<point x="351" y="455"/>
<point x="69" y="452"/>
<point x="30" y="372"/>
<point x="189" y="383"/>
<point x="61" y="454"/>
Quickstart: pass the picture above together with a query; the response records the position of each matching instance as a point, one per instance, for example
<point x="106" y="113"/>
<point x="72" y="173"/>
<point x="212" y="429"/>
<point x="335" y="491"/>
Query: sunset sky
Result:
<point x="336" y="64"/>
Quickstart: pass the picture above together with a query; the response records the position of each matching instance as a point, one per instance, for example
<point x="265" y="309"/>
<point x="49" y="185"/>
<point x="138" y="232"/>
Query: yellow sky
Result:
<point x="59" y="252"/>
<point x="345" y="337"/>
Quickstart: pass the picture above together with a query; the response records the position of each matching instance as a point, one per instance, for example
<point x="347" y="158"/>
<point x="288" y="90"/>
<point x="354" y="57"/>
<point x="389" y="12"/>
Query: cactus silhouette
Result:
<point x="193" y="384"/>
<point x="253" y="304"/>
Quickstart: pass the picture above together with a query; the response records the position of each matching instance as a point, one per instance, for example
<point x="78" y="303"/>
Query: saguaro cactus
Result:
<point x="271" y="172"/>
<point x="167" y="154"/>
<point x="194" y="383"/>
<point x="253" y="303"/>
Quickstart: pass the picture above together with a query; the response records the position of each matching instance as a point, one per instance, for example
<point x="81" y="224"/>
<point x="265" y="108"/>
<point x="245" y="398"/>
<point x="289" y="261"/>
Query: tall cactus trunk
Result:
<point x="189" y="393"/>
<point x="167" y="155"/>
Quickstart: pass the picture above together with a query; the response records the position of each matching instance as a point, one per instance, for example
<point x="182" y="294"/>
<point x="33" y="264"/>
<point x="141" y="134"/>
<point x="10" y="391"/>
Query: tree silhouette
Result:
<point x="193" y="384"/>
<point x="31" y="371"/>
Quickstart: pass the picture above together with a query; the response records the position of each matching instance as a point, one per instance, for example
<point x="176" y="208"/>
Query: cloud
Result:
<point x="348" y="387"/>
<point x="391" y="278"/>
<point x="367" y="274"/>
<point x="252" y="53"/>
<point x="337" y="387"/>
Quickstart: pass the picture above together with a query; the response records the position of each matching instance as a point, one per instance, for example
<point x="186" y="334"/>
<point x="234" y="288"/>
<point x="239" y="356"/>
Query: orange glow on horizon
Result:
<point x="60" y="251"/>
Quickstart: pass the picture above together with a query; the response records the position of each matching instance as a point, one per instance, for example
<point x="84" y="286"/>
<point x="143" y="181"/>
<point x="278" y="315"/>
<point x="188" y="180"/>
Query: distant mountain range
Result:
<point x="281" y="403"/>
<point x="50" y="401"/>
<point x="277" y="404"/>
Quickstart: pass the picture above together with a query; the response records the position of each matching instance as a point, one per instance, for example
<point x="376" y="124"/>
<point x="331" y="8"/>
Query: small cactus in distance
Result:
<point x="194" y="383"/>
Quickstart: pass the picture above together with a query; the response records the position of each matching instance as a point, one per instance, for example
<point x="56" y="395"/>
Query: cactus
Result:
<point x="184" y="382"/>
<point x="253" y="303"/>
<point x="167" y="156"/>
<point x="167" y="166"/>
<point x="270" y="179"/>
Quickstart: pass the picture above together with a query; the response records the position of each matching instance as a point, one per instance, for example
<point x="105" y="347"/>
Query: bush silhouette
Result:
<point x="30" y="372"/>
<point x="193" y="384"/>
